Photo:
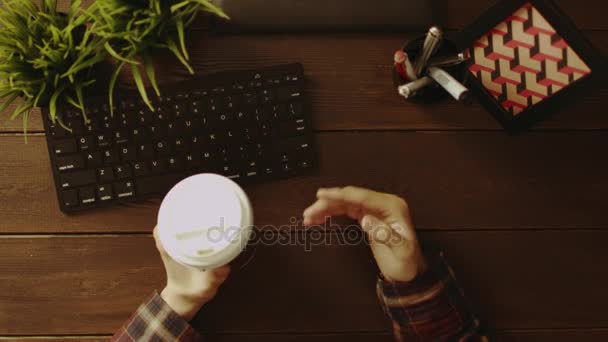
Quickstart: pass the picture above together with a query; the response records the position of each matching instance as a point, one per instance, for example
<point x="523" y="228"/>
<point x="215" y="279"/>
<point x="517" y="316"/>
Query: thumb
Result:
<point x="379" y="232"/>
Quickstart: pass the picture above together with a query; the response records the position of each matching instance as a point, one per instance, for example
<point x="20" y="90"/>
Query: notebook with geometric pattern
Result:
<point x="527" y="59"/>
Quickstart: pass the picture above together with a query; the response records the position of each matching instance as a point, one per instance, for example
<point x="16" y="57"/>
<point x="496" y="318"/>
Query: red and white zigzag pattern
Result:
<point x="523" y="60"/>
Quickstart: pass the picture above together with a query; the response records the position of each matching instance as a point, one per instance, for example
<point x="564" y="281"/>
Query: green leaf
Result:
<point x="177" y="6"/>
<point x="26" y="105"/>
<point x="78" y="89"/>
<point x="149" y="67"/>
<point x="26" y="116"/>
<point x="113" y="84"/>
<point x="140" y="86"/>
<point x="117" y="56"/>
<point x="53" y="103"/>
<point x="171" y="45"/>
<point x="7" y="102"/>
<point x="182" y="41"/>
<point x="209" y="7"/>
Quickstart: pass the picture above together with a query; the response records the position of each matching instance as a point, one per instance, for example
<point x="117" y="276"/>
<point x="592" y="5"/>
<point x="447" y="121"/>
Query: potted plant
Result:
<point x="133" y="29"/>
<point x="46" y="57"/>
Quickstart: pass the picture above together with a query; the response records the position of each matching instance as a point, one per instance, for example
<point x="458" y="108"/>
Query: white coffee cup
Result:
<point x="205" y="221"/>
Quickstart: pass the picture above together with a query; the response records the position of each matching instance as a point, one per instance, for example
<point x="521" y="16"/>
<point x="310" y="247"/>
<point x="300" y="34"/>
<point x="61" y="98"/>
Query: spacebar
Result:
<point x="157" y="184"/>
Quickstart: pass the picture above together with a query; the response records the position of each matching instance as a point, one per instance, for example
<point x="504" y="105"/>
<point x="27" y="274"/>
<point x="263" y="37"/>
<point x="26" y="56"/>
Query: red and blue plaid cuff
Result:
<point x="429" y="308"/>
<point x="156" y="321"/>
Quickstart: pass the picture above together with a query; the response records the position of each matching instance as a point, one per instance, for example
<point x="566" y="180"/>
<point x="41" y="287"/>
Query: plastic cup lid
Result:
<point x="205" y="221"/>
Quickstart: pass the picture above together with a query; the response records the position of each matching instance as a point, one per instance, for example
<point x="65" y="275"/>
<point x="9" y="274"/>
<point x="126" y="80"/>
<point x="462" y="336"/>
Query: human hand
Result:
<point x="387" y="221"/>
<point x="188" y="288"/>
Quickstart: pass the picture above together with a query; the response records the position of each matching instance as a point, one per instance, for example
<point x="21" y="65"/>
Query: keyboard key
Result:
<point x="121" y="136"/>
<point x="105" y="175"/>
<point x="175" y="129"/>
<point x="289" y="93"/>
<point x="162" y="149"/>
<point x="75" y="125"/>
<point x="266" y="96"/>
<point x="123" y="171"/>
<point x="296" y="109"/>
<point x="231" y="171"/>
<point x="231" y="102"/>
<point x="110" y="157"/>
<point x="76" y="179"/>
<point x="64" y="146"/>
<point x="124" y="189"/>
<point x="138" y="135"/>
<point x="191" y="161"/>
<point x="192" y="126"/>
<point x="93" y="159"/>
<point x="250" y="99"/>
<point x="145" y="151"/>
<point x="103" y="140"/>
<point x="292" y="144"/>
<point x="86" y="143"/>
<point x="243" y="117"/>
<point x="70" y="162"/>
<point x="70" y="198"/>
<point x="140" y="169"/>
<point x="158" y="166"/>
<point x="180" y="146"/>
<point x="291" y="128"/>
<point x="105" y="192"/>
<point x="57" y="131"/>
<point x="157" y="132"/>
<point x="128" y="153"/>
<point x="176" y="163"/>
<point x="196" y="143"/>
<point x="233" y="136"/>
<point x="87" y="195"/>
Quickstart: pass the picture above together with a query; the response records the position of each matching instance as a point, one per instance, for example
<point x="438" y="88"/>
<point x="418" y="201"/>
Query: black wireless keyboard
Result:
<point x="247" y="125"/>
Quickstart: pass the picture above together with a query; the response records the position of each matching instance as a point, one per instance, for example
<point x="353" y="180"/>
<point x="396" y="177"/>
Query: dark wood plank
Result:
<point x="458" y="14"/>
<point x="55" y="339"/>
<point x="557" y="335"/>
<point x="92" y="284"/>
<point x="588" y="15"/>
<point x="547" y="335"/>
<point x="351" y="83"/>
<point x="516" y="280"/>
<point x="452" y="180"/>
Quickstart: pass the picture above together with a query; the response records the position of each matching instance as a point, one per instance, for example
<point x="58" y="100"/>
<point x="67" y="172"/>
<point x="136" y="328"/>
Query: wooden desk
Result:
<point x="521" y="219"/>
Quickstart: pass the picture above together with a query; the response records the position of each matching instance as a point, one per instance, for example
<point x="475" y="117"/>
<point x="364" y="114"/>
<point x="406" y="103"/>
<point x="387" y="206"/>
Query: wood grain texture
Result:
<point x="452" y="181"/>
<point x="547" y="335"/>
<point x="91" y="284"/>
<point x="350" y="82"/>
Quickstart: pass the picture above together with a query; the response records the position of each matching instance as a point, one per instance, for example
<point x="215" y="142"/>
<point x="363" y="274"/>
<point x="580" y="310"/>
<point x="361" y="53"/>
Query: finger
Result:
<point x="358" y="199"/>
<point x="381" y="233"/>
<point x="221" y="274"/>
<point x="221" y="271"/>
<point x="318" y="212"/>
<point x="159" y="244"/>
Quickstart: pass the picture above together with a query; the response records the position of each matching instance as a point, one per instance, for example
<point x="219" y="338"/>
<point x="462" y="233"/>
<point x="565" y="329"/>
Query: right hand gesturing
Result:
<point x="387" y="221"/>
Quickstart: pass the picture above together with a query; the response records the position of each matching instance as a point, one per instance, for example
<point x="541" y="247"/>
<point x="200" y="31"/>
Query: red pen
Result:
<point x="400" y="58"/>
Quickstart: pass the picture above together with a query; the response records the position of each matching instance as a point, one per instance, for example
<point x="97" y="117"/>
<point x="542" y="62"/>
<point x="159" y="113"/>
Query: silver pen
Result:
<point x="448" y="61"/>
<point x="409" y="89"/>
<point x="431" y="42"/>
<point x="449" y="83"/>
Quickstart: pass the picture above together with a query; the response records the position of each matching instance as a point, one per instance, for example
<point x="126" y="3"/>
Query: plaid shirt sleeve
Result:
<point x="429" y="308"/>
<point x="154" y="320"/>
